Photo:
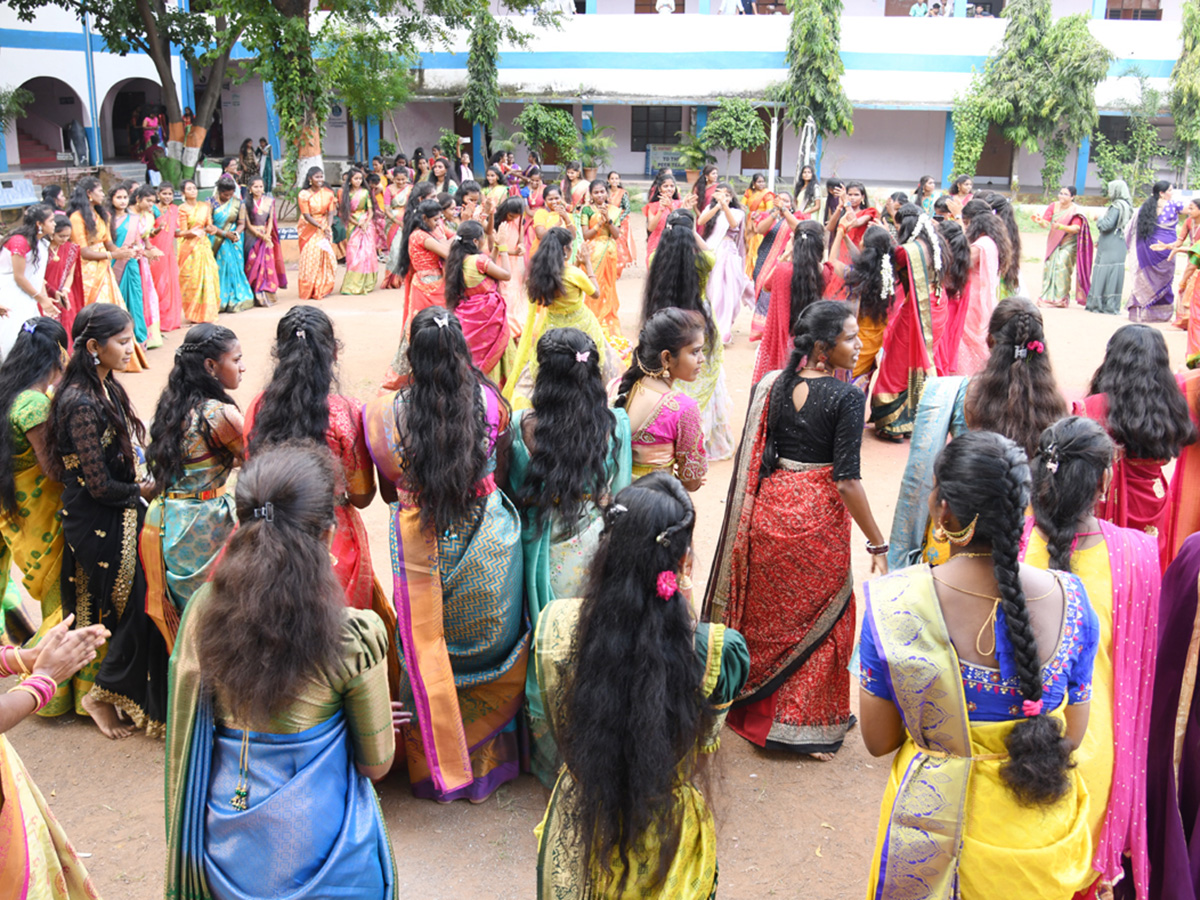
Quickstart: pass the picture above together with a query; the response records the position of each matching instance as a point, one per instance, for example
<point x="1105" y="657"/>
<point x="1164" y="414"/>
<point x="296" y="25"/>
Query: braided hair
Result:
<point x="1073" y="455"/>
<point x="669" y="329"/>
<point x="984" y="476"/>
<point x="464" y="243"/>
<point x="1147" y="217"/>
<point x="956" y="252"/>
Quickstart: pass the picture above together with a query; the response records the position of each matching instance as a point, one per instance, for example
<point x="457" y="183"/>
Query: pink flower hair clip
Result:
<point x="667" y="585"/>
<point x="583" y="356"/>
<point x="1037" y="347"/>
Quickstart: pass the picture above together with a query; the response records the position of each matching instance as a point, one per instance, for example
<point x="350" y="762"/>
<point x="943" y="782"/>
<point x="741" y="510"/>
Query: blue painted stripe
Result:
<point x="948" y="152"/>
<point x="1081" y="164"/>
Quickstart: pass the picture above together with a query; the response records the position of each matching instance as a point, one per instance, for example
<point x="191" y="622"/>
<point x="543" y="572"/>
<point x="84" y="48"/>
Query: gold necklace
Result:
<point x="989" y="624"/>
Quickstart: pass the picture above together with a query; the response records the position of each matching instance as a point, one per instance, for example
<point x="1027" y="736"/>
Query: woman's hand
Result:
<point x="401" y="718"/>
<point x="879" y="564"/>
<point x="147" y="489"/>
<point x="63" y="652"/>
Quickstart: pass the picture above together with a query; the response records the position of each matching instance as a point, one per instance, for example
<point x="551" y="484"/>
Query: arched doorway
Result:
<point x="46" y="129"/>
<point x="125" y="106"/>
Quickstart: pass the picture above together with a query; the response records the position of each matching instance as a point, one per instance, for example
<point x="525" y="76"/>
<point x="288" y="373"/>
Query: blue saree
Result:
<point x="231" y="262"/>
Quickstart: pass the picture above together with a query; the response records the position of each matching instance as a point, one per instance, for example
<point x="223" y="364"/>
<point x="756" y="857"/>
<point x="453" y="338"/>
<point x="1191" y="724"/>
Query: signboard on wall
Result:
<point x="661" y="156"/>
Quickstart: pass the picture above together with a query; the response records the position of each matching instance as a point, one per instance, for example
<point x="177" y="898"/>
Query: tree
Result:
<point x="539" y="128"/>
<point x="13" y="104"/>
<point x="368" y="75"/>
<point x="734" y="125"/>
<point x="813" y="87"/>
<point x="970" y="128"/>
<point x="1039" y="87"/>
<point x="1185" y="87"/>
<point x="1131" y="159"/>
<point x="480" y="101"/>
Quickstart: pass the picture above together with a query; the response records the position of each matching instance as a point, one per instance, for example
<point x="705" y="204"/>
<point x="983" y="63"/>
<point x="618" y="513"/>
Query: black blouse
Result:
<point x="827" y="428"/>
<point x="91" y="452"/>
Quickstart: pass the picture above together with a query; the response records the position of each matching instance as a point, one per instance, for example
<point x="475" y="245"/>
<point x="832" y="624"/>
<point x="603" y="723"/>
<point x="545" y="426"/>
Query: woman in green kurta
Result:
<point x="635" y="692"/>
<point x="570" y="454"/>
<point x="279" y="708"/>
<point x="1108" y="270"/>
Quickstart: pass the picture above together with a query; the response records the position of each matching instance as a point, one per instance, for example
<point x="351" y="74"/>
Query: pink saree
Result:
<point x="483" y="314"/>
<point x="165" y="270"/>
<point x="963" y="349"/>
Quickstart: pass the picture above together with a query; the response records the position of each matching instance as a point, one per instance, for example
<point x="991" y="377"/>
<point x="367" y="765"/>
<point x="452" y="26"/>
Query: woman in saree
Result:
<point x="264" y="255"/>
<point x="852" y="217"/>
<point x="64" y="273"/>
<point x="1108" y="270"/>
<point x="229" y="221"/>
<point x="662" y="200"/>
<point x="781" y="575"/>
<point x="24" y="253"/>
<point x="30" y="500"/>
<point x="164" y="268"/>
<point x="494" y="186"/>
<point x="570" y="456"/>
<point x="774" y="230"/>
<point x="132" y="225"/>
<point x="195" y="444"/>
<point x="1183" y="495"/>
<point x="723" y="226"/>
<point x="1119" y="568"/>
<point x="558" y="292"/>
<point x="575" y="190"/>
<point x="952" y="308"/>
<point x="600" y="231"/>
<point x="677" y="279"/>
<point x="1153" y="235"/>
<point x="980" y="674"/>
<point x="991" y="254"/>
<point x="420" y="192"/>
<point x="667" y="429"/>
<point x="511" y="226"/>
<point x="396" y="198"/>
<point x="651" y="833"/>
<point x="807" y="199"/>
<point x="199" y="277"/>
<point x="619" y="197"/>
<point x="758" y="203"/>
<point x="1070" y="241"/>
<point x="554" y="213"/>
<point x="534" y="191"/>
<point x="440" y="178"/>
<point x="926" y="194"/>
<point x="1138" y="401"/>
<point x="271" y="726"/>
<point x="1015" y="395"/>
<point x="705" y="187"/>
<point x="39" y="860"/>
<point x="871" y="284"/>
<point x="248" y="159"/>
<point x="1188" y="243"/>
<point x="440" y="445"/>
<point x="357" y="209"/>
<point x="300" y="403"/>
<point x="90" y="434"/>
<point x="473" y="294"/>
<point x="90" y="231"/>
<point x="318" y="261"/>
<point x="423" y="247"/>
<point x="914" y="326"/>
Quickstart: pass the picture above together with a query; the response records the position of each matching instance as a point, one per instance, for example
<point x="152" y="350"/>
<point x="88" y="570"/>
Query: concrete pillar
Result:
<point x="479" y="153"/>
<point x="948" y="172"/>
<point x="1081" y="164"/>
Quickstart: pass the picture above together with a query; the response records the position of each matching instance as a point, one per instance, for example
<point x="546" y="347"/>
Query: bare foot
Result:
<point x="105" y="717"/>
<point x="823" y="757"/>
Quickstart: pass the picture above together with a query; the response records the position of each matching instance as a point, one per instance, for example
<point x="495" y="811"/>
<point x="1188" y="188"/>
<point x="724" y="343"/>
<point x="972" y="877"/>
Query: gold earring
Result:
<point x="939" y="533"/>
<point x="964" y="537"/>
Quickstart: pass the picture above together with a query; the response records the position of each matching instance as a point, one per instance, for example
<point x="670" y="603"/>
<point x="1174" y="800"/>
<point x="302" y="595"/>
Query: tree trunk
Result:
<point x="396" y="135"/>
<point x="1015" y="177"/>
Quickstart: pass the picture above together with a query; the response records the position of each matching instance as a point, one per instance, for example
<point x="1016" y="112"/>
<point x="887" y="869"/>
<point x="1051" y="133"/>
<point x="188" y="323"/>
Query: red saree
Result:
<point x="776" y="344"/>
<point x="1183" y="515"/>
<point x="64" y="273"/>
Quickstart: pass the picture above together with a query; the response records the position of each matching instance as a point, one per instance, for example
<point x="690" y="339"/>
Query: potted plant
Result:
<point x="693" y="155"/>
<point x="594" y="149"/>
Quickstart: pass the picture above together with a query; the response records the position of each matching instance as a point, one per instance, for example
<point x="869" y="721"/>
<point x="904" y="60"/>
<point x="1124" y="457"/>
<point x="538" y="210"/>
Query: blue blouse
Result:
<point x="993" y="698"/>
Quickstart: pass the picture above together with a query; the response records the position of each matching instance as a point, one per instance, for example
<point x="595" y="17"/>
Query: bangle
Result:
<point x="877" y="549"/>
<point x="21" y="668"/>
<point x="5" y="668"/>
<point x="40" y="687"/>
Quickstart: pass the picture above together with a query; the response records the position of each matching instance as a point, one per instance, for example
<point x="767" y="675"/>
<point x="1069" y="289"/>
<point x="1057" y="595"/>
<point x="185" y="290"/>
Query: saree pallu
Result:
<point x="362" y="256"/>
<point x="511" y="238"/>
<point x="99" y="282"/>
<point x="137" y="284"/>
<point x="425" y="283"/>
<point x="484" y="317"/>
<point x="1062" y="252"/>
<point x="1153" y="296"/>
<point x="309" y="777"/>
<point x="199" y="277"/>
<point x="781" y="576"/>
<point x="653" y="237"/>
<point x="728" y="287"/>
<point x="870" y="332"/>
<point x="776" y="344"/>
<point x="603" y="252"/>
<point x="756" y="206"/>
<point x="963" y="349"/>
<point x="264" y="259"/>
<point x="461" y="612"/>
<point x="1189" y="294"/>
<point x="1183" y="517"/>
<point x="37" y="861"/>
<point x="64" y="273"/>
<point x="318" y="261"/>
<point x="908" y="345"/>
<point x="770" y="248"/>
<point x="948" y="825"/>
<point x="165" y="270"/>
<point x="712" y="395"/>
<point x="231" y="261"/>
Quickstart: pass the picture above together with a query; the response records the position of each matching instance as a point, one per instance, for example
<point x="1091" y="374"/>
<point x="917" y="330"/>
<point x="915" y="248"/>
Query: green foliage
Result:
<point x="363" y="70"/>
<point x="693" y="153"/>
<point x="1132" y="158"/>
<point x="1054" y="164"/>
<point x="814" y="81"/>
<point x="734" y="125"/>
<point x="501" y="140"/>
<point x="448" y="142"/>
<point x="539" y="128"/>
<point x="594" y="148"/>
<point x="1185" y="86"/>
<point x="970" y="129"/>
<point x="13" y="104"/>
<point x="387" y="150"/>
<point x="480" y="103"/>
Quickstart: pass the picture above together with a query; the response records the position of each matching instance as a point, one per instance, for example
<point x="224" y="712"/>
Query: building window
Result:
<point x="1150" y="10"/>
<point x="655" y="125"/>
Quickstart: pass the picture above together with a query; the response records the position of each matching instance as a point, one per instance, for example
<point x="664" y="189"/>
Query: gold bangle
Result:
<point x="26" y="689"/>
<point x="24" y="669"/>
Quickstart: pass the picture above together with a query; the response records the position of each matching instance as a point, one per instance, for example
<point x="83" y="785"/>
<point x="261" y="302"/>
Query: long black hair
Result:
<point x="509" y="206"/>
<point x="984" y="477"/>
<point x="674" y="279"/>
<point x="1015" y="395"/>
<point x="867" y="281"/>
<point x="425" y="209"/>
<point x="820" y="323"/>
<point x="99" y="322"/>
<point x="347" y="189"/>
<point x="808" y="269"/>
<point x="295" y="403"/>
<point x="1068" y="471"/>
<point x="464" y="243"/>
<point x="35" y="356"/>
<point x="668" y="329"/>
<point x="31" y="229"/>
<point x="633" y="711"/>
<point x="82" y="204"/>
<point x="806" y="191"/>
<point x="544" y="280"/>
<point x="443" y="430"/>
<point x="313" y="170"/>
<point x="1147" y="217"/>
<point x="912" y="224"/>
<point x="1147" y="413"/>
<point x="956" y="264"/>
<point x="1003" y="209"/>
<point x="982" y="221"/>
<point x="707" y="228"/>
<point x="188" y="386"/>
<point x="573" y="430"/>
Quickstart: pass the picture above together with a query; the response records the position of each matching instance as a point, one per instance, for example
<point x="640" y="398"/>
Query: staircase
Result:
<point x="32" y="151"/>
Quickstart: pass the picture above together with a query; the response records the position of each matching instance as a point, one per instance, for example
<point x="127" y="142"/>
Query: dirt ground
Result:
<point x="787" y="827"/>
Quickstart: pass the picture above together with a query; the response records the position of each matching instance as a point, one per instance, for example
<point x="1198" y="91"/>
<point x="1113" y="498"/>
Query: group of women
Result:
<point x="541" y="615"/>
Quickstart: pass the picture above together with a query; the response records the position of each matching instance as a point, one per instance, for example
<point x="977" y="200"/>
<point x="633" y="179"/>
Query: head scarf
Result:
<point x="1118" y="193"/>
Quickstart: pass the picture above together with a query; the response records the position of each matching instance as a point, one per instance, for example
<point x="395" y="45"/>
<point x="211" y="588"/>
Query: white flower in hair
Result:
<point x="887" y="284"/>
